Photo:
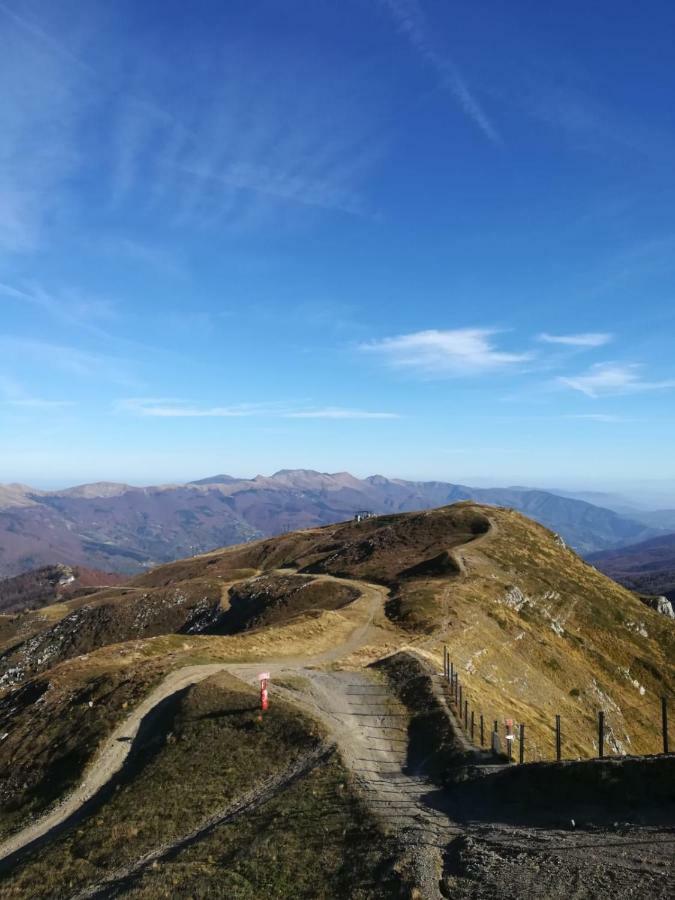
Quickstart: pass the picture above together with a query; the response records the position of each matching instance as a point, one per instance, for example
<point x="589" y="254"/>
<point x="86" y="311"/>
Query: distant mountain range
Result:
<point x="117" y="527"/>
<point x="647" y="567"/>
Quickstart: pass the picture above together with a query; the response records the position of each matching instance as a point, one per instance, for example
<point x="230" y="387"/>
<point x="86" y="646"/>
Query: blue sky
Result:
<point x="428" y="239"/>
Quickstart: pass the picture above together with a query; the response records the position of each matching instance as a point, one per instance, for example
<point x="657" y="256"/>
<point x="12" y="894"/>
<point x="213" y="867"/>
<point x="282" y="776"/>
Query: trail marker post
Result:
<point x="472" y="724"/>
<point x="482" y="730"/>
<point x="466" y="713"/>
<point x="264" y="678"/>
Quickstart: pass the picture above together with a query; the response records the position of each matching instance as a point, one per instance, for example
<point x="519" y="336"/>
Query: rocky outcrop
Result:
<point x="661" y="605"/>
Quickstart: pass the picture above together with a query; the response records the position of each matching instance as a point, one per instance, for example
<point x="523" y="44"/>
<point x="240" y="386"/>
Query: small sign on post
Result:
<point x="264" y="678"/>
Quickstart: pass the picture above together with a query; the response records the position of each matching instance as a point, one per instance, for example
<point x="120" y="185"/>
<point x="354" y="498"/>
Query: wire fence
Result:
<point x="519" y="742"/>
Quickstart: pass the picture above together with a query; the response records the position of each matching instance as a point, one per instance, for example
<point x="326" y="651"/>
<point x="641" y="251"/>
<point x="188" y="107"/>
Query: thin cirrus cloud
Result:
<point x="166" y="408"/>
<point x="43" y="355"/>
<point x="39" y="122"/>
<point x="587" y="339"/>
<point x="213" y="162"/>
<point x="411" y="21"/>
<point x="259" y="139"/>
<point x="14" y="394"/>
<point x="605" y="418"/>
<point x="70" y="309"/>
<point x="454" y="352"/>
<point x="613" y="379"/>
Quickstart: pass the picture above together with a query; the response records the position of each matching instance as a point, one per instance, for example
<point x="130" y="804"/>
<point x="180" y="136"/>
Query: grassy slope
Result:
<point x="52" y="731"/>
<point x="571" y="642"/>
<point x="534" y="630"/>
<point x="210" y="747"/>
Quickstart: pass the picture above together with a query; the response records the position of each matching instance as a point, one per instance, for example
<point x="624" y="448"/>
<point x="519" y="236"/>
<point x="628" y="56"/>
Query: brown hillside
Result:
<point x="532" y="630"/>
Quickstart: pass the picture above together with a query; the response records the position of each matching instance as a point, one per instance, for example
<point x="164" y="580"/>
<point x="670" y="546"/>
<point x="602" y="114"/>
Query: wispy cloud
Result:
<point x="14" y="394"/>
<point x="462" y="351"/>
<point x="587" y="339"/>
<point x="412" y="22"/>
<point x="613" y="378"/>
<point x="68" y="308"/>
<point x="260" y="140"/>
<point x="337" y="412"/>
<point x="44" y="37"/>
<point x="71" y="360"/>
<point x="39" y="120"/>
<point x="598" y="417"/>
<point x="142" y="253"/>
<point x="167" y="408"/>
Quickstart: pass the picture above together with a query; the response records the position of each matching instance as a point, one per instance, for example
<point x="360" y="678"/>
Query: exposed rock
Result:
<point x="661" y="605"/>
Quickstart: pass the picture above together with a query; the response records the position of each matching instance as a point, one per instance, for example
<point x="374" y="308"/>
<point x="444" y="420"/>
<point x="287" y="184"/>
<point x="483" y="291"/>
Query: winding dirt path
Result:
<point x="116" y="748"/>
<point x="365" y="721"/>
<point x="108" y="761"/>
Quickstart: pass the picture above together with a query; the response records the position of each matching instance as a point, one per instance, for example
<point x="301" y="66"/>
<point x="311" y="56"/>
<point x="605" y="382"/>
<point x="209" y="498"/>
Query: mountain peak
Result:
<point x="214" y="479"/>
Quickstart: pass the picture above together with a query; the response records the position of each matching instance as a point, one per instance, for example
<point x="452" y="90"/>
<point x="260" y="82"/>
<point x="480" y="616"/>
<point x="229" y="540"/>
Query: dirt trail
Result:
<point x="371" y="730"/>
<point x="109" y="760"/>
<point x="115" y="750"/>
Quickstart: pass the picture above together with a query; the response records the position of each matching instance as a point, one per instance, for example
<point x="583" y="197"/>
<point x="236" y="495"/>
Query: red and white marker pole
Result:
<point x="264" y="678"/>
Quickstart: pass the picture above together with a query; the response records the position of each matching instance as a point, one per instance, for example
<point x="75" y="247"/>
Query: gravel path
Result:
<point x="370" y="728"/>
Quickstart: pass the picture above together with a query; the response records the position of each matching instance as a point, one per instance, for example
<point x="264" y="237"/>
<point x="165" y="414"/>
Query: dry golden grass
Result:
<point x="577" y="644"/>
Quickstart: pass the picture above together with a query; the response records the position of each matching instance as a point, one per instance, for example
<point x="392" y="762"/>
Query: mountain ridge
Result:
<point x="125" y="528"/>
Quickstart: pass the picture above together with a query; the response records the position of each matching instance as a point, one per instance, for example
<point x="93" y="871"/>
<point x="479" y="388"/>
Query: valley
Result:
<point x="647" y="567"/>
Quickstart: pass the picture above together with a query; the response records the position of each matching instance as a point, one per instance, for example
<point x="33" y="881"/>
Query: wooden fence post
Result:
<point x="558" y="742"/>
